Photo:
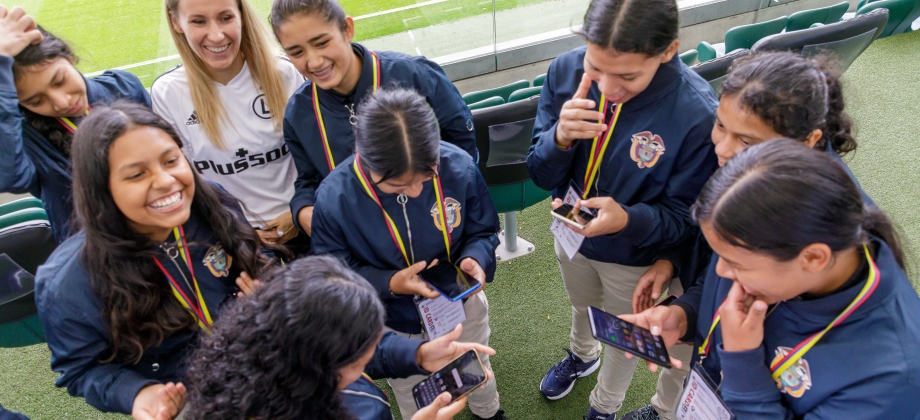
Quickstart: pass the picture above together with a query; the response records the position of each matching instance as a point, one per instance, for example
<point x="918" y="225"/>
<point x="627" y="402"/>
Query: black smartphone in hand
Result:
<point x="450" y="281"/>
<point x="628" y="337"/>
<point x="460" y="377"/>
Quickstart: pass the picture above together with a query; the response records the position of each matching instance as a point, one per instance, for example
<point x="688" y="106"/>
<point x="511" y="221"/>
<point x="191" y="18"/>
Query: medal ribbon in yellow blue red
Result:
<point x="68" y="124"/>
<point x="198" y="307"/>
<point x="394" y="232"/>
<point x="375" y="71"/>
<point x="599" y="146"/>
<point x="781" y="365"/>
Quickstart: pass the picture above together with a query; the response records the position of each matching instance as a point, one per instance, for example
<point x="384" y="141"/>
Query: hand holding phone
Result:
<point x="450" y="281"/>
<point x="460" y="377"/>
<point x="567" y="215"/>
<point x="628" y="337"/>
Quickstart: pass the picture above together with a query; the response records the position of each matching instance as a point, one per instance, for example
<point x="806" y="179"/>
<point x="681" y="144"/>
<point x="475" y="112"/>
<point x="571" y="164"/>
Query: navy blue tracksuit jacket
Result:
<point x="394" y="358"/>
<point x="30" y="163"/>
<point x="302" y="133"/>
<point x="77" y="329"/>
<point x="659" y="158"/>
<point x="865" y="368"/>
<point x="348" y="223"/>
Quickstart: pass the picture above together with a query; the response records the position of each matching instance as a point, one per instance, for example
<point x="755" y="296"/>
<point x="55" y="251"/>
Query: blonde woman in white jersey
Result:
<point x="227" y="102"/>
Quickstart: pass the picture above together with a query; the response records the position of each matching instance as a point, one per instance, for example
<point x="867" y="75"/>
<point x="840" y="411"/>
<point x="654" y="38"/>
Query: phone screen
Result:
<point x="450" y="281"/>
<point x="459" y="377"/>
<point x="565" y="211"/>
<point x="628" y="337"/>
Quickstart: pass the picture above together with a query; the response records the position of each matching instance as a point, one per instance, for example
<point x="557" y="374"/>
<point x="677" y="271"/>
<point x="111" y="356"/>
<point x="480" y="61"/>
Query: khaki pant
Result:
<point x="483" y="402"/>
<point x="610" y="287"/>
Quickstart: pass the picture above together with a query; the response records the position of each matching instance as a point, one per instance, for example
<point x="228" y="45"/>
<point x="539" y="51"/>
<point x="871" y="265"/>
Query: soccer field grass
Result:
<point x="112" y="33"/>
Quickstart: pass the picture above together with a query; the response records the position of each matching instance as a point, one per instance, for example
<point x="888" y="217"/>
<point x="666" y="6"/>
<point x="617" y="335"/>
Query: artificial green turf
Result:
<point x="529" y="311"/>
<point x="115" y="33"/>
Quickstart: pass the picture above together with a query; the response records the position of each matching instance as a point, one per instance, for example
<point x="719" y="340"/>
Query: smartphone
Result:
<point x="450" y="281"/>
<point x="628" y="337"/>
<point x="564" y="213"/>
<point x="460" y="377"/>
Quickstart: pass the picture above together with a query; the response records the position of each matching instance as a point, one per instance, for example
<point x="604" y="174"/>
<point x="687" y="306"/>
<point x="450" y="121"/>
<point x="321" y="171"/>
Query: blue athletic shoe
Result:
<point x="560" y="379"/>
<point x="597" y="415"/>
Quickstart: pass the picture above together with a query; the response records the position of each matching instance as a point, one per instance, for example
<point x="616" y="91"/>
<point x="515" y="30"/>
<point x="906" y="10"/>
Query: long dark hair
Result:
<point x="631" y="26"/>
<point x="794" y="95"/>
<point x="138" y="304"/>
<point x="778" y="197"/>
<point x="397" y="133"/>
<point x="49" y="49"/>
<point x="276" y="354"/>
<point x="282" y="10"/>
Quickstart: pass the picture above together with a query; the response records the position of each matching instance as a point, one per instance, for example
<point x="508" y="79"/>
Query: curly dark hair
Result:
<point x="276" y="354"/>
<point x="138" y="303"/>
<point x="794" y="95"/>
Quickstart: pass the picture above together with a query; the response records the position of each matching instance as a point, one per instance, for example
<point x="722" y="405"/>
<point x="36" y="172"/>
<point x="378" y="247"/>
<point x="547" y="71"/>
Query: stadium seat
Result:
<point x="524" y="93"/>
<point x="744" y="36"/>
<point x="824" y="15"/>
<point x="485" y="103"/>
<point x="503" y="135"/>
<point x="715" y="70"/>
<point x="22" y="203"/>
<point x="502" y="91"/>
<point x="19" y="324"/>
<point x="538" y="81"/>
<point x="689" y="57"/>
<point x="846" y="39"/>
<point x="901" y="14"/>
<point x="26" y="241"/>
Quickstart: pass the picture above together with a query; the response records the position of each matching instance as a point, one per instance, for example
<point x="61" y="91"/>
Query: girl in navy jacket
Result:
<point x="651" y="117"/>
<point x="808" y="313"/>
<point x="159" y="253"/>
<point x="405" y="201"/>
<point x="320" y="117"/>
<point x="765" y="96"/>
<point x="38" y="117"/>
<point x="297" y="359"/>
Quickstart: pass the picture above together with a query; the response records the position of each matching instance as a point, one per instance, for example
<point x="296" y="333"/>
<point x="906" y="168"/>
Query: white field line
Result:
<point x="176" y="56"/>
<point x="398" y="9"/>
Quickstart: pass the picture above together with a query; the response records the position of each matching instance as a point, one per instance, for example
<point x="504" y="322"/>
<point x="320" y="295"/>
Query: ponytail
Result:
<point x="876" y="223"/>
<point x="838" y="126"/>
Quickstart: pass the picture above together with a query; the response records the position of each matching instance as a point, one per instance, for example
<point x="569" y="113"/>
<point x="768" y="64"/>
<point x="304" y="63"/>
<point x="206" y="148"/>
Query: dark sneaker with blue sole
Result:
<point x="644" y="413"/>
<point x="560" y="379"/>
<point x="597" y="415"/>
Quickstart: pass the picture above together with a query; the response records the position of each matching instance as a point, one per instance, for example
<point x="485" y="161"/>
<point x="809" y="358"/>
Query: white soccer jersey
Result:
<point x="256" y="166"/>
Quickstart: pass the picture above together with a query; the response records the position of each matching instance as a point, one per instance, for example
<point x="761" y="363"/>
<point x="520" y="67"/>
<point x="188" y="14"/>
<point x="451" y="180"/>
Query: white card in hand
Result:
<point x="568" y="238"/>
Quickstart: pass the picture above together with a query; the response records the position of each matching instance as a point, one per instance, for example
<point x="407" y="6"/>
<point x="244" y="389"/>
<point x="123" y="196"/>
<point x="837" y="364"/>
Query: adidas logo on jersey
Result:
<point x="193" y="120"/>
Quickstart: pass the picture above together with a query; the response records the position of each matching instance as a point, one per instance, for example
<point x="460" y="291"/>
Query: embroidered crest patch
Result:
<point x="796" y="379"/>
<point x="218" y="261"/>
<point x="452" y="207"/>
<point x="646" y="149"/>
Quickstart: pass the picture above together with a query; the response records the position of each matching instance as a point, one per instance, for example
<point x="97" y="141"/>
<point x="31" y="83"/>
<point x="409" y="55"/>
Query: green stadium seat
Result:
<point x="689" y="57"/>
<point x="26" y="241"/>
<point x="901" y="14"/>
<point x="502" y="91"/>
<point x="824" y="15"/>
<point x="538" y="81"/>
<point x="744" y="36"/>
<point x="524" y="93"/>
<point x="503" y="136"/>
<point x="485" y="103"/>
<point x="22" y="203"/>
